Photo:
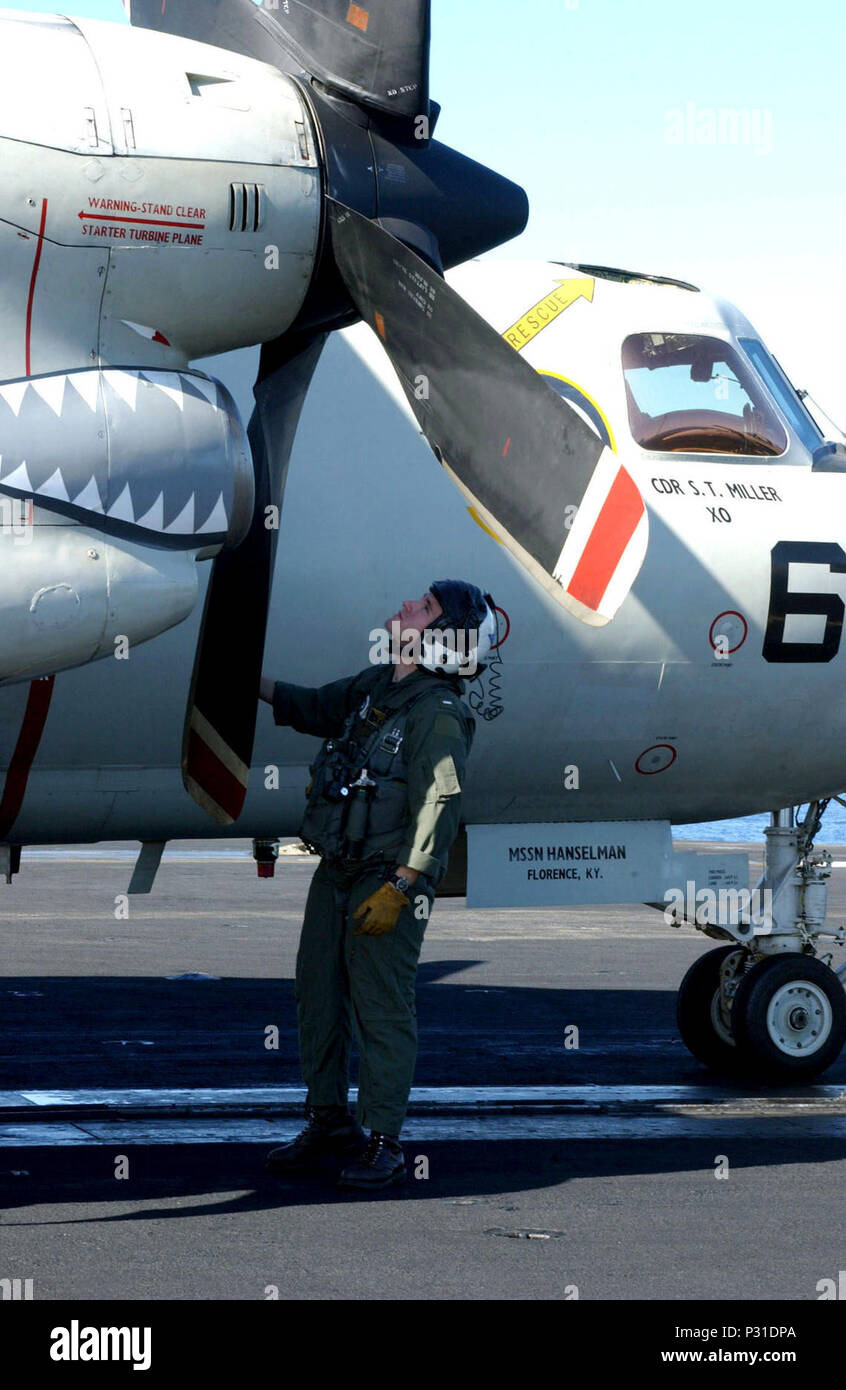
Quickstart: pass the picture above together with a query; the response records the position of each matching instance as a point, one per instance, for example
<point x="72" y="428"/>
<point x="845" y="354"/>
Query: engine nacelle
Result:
<point x="112" y="485"/>
<point x="69" y="596"/>
<point x="160" y="198"/>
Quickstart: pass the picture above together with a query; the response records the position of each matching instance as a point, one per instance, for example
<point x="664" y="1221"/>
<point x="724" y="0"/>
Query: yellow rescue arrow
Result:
<point x="536" y="319"/>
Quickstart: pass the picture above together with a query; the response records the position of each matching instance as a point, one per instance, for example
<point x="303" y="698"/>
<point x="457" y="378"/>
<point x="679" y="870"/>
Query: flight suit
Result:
<point x="347" y="982"/>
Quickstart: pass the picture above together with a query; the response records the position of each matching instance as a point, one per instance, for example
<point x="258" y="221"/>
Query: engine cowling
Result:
<point x="112" y="485"/>
<point x="160" y="198"/>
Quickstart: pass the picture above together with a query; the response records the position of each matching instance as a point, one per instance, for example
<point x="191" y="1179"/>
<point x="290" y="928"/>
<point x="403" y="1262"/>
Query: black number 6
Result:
<point x="783" y="602"/>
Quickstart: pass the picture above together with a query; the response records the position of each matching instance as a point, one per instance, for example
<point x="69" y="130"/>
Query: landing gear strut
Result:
<point x="766" y="1005"/>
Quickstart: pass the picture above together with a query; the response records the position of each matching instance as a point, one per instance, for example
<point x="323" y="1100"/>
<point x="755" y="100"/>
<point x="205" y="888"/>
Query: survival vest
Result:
<point x="358" y="795"/>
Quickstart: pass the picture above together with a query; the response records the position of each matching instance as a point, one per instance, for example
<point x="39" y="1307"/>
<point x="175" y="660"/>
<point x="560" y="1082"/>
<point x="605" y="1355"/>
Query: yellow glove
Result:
<point x="380" y="911"/>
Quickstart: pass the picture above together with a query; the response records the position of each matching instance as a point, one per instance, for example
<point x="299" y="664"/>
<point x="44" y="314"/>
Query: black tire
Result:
<point x="696" y="1014"/>
<point x="789" y="1017"/>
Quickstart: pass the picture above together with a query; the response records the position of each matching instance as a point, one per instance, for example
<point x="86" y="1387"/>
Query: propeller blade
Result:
<point x="535" y="472"/>
<point x="222" y="708"/>
<point x="376" y="52"/>
<point x="239" y="26"/>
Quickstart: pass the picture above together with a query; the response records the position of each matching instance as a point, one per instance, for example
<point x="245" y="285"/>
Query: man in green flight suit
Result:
<point x="382" y="812"/>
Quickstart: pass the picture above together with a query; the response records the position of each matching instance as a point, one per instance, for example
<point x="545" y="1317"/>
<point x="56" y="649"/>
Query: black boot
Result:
<point x="381" y="1164"/>
<point x="331" y="1133"/>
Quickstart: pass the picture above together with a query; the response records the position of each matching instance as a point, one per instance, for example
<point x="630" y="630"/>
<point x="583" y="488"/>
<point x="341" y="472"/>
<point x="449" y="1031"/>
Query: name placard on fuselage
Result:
<point x="552" y="864"/>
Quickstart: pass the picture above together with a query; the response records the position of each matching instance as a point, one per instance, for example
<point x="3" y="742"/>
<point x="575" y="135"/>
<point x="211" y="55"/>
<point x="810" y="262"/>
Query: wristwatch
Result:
<point x="401" y="884"/>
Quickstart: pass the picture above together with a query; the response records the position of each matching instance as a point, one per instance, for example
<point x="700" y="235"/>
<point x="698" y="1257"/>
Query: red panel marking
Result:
<point x="147" y="221"/>
<point x="653" y="772"/>
<point x="214" y="777"/>
<point x="380" y="325"/>
<point x="31" y="298"/>
<point x="613" y="529"/>
<point x="497" y="609"/>
<point x="729" y="613"/>
<point x="507" y="446"/>
<point x="17" y="773"/>
<point x="359" y="17"/>
<point x="160" y="338"/>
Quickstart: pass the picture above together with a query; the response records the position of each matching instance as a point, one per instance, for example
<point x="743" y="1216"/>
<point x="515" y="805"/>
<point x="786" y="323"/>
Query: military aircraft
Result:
<point x="647" y="496"/>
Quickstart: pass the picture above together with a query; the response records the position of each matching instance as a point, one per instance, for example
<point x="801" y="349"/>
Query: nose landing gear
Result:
<point x="782" y="1018"/>
<point x="766" y="1005"/>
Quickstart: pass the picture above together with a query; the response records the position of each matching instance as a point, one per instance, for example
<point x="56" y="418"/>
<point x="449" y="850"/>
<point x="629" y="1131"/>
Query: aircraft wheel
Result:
<point x="789" y="1017"/>
<point x="705" y="1028"/>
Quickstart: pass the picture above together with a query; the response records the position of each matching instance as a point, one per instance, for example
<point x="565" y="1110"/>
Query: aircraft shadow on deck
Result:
<point x="75" y="1032"/>
<point x="72" y="1032"/>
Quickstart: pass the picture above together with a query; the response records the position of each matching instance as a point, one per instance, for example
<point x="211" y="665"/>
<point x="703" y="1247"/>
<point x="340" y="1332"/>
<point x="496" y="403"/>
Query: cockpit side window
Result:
<point x="785" y="395"/>
<point x="693" y="394"/>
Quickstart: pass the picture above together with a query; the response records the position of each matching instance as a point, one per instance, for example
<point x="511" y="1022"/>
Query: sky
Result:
<point x="705" y="142"/>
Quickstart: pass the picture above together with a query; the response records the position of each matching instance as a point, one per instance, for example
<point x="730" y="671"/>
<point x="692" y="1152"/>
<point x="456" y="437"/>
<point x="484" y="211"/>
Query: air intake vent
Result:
<point x="246" y="207"/>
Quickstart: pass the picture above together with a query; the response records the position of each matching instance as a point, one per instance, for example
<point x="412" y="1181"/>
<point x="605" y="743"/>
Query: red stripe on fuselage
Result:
<point x="31" y="300"/>
<point x="614" y="528"/>
<point x="17" y="773"/>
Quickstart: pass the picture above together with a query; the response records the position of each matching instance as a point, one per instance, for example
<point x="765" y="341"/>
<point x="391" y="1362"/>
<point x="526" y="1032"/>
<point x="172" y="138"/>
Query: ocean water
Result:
<point x="832" y="830"/>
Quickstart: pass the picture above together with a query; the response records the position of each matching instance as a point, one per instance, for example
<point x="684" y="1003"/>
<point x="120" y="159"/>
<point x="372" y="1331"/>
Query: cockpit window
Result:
<point x="785" y="395"/>
<point x="692" y="394"/>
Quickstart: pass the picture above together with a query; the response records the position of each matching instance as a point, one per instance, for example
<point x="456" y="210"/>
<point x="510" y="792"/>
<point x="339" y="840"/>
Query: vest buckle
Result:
<point x="392" y="741"/>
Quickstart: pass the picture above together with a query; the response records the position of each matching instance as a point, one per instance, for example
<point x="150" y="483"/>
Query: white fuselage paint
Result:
<point x="370" y="518"/>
